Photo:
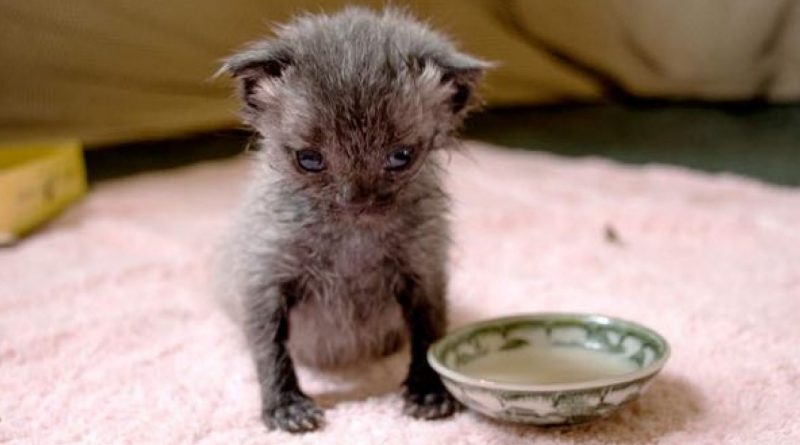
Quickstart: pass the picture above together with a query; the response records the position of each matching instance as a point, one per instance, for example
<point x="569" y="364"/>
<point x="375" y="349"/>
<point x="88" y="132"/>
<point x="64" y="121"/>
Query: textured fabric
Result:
<point x="117" y="70"/>
<point x="107" y="334"/>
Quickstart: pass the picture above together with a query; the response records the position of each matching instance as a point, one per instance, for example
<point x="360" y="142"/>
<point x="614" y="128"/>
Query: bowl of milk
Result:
<point x="549" y="368"/>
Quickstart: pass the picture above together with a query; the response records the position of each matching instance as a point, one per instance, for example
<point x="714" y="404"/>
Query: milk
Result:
<point x="538" y="365"/>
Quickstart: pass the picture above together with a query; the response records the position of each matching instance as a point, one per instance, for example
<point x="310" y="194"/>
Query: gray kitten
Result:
<point x="339" y="252"/>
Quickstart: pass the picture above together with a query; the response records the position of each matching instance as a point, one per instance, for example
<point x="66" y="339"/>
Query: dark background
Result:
<point x="747" y="138"/>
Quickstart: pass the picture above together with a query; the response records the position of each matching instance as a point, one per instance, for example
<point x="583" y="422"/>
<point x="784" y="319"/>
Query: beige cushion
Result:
<point x="115" y="70"/>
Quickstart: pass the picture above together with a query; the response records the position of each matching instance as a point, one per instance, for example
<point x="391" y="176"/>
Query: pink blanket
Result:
<point x="107" y="335"/>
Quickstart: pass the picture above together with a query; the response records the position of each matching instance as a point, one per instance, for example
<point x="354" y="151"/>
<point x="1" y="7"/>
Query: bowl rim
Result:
<point x="452" y="374"/>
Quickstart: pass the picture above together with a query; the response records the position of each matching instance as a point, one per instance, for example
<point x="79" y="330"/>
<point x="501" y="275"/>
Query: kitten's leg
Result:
<point x="425" y="395"/>
<point x="283" y="404"/>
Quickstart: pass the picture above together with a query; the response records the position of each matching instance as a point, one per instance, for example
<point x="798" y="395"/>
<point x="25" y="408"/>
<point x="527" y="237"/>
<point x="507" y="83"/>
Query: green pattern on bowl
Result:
<point x="556" y="403"/>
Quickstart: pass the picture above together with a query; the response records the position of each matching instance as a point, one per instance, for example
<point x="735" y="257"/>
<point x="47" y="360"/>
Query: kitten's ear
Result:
<point x="463" y="73"/>
<point x="257" y="69"/>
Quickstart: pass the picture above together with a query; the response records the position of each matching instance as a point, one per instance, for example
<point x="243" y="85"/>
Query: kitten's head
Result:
<point x="350" y="106"/>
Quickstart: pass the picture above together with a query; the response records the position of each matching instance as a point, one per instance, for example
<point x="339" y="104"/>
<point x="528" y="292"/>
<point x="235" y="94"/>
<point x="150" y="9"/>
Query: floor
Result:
<point x="116" y="338"/>
<point x="752" y="140"/>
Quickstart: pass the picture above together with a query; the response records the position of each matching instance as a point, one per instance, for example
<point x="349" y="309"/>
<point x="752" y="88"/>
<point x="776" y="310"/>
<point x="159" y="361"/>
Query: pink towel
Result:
<point x="107" y="334"/>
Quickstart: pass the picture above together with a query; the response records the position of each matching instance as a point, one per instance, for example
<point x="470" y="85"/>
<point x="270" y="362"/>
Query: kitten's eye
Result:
<point x="311" y="160"/>
<point x="399" y="159"/>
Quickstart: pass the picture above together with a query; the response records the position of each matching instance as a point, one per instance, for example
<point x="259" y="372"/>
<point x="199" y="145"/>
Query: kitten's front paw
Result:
<point x="297" y="414"/>
<point x="430" y="405"/>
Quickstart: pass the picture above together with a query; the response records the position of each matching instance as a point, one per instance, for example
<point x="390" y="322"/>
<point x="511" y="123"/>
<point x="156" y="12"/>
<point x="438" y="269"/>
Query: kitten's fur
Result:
<point x="349" y="263"/>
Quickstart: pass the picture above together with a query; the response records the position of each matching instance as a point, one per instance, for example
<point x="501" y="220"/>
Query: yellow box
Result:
<point x="37" y="181"/>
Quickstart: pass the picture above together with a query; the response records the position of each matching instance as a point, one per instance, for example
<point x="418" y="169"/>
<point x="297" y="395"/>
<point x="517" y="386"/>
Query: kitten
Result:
<point x="339" y="252"/>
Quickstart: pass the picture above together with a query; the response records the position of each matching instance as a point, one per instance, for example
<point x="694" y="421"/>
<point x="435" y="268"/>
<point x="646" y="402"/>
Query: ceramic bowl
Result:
<point x="549" y="369"/>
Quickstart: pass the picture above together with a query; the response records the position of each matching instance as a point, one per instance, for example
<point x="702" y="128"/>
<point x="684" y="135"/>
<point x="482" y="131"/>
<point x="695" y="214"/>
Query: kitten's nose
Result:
<point x="353" y="196"/>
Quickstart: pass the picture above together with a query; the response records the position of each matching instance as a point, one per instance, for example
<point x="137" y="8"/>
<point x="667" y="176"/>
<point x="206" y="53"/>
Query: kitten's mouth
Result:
<point x="367" y="212"/>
